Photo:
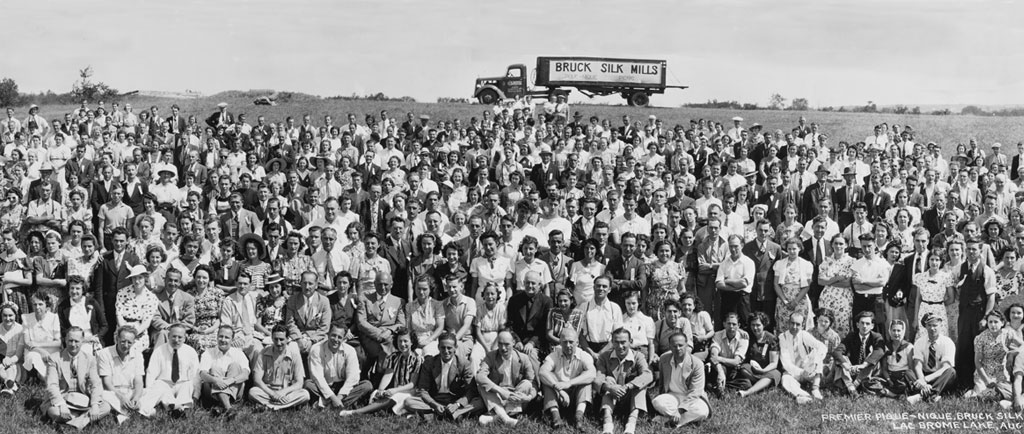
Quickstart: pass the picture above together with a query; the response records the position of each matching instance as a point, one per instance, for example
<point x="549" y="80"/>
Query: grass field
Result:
<point x="772" y="412"/>
<point x="947" y="131"/>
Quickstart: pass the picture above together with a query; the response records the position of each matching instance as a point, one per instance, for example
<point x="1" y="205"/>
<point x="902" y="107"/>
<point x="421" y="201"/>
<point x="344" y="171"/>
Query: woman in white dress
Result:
<point x="12" y="347"/>
<point x="584" y="271"/>
<point x="42" y="335"/>
<point x="792" y="281"/>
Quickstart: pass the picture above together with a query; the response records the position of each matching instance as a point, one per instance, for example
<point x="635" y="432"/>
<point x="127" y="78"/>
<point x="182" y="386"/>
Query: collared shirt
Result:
<point x="456" y="315"/>
<point x="945" y="351"/>
<point x="601" y="319"/>
<point x="568" y="367"/>
<point x="442" y="381"/>
<point x="731" y="348"/>
<point x="853" y="232"/>
<point x="712" y="252"/>
<point x="78" y="316"/>
<point x="279" y="368"/>
<point x="801" y="352"/>
<point x="641" y="328"/>
<point x="876" y="269"/>
<point x="619" y="369"/>
<point x="522" y="269"/>
<point x="122" y="372"/>
<point x="330" y="263"/>
<point x="327" y="367"/>
<point x="637" y="225"/>
<point x="216" y="361"/>
<point x="160" y="365"/>
<point x="742" y="268"/>
<point x="490" y="270"/>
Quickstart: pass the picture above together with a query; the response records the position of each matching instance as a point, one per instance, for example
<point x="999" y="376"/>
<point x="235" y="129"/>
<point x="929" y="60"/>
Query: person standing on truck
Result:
<point x="562" y="109"/>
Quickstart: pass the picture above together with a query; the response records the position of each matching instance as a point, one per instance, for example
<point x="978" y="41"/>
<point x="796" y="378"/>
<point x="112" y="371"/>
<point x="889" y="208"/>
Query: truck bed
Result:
<point x="587" y="72"/>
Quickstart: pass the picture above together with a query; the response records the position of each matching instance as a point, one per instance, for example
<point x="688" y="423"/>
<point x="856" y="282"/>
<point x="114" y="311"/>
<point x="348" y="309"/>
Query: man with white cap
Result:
<point x="997" y="156"/>
<point x="736" y="132"/>
<point x="221" y="118"/>
<point x="35" y="124"/>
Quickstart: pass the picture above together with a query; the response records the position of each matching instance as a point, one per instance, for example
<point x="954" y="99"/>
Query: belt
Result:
<point x="931" y="302"/>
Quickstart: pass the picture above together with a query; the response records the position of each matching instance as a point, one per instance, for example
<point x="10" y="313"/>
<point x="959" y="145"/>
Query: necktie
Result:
<point x="74" y="369"/>
<point x="863" y="348"/>
<point x="174" y="367"/>
<point x="817" y="253"/>
<point x="931" y="356"/>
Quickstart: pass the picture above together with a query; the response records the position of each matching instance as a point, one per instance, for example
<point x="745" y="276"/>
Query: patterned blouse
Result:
<point x="291" y="269"/>
<point x="405" y="367"/>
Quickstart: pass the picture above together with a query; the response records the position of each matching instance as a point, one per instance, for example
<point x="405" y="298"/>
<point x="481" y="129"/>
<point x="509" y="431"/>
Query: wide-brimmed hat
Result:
<point x="261" y="247"/>
<point x="167" y="168"/>
<point x="273" y="279"/>
<point x="138" y="270"/>
<point x="737" y="119"/>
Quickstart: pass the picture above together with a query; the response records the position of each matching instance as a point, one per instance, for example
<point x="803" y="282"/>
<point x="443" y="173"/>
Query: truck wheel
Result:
<point x="639" y="99"/>
<point x="488" y="96"/>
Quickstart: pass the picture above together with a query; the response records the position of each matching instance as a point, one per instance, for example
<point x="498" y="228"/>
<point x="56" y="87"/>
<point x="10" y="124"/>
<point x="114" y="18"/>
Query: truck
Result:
<point x="635" y="79"/>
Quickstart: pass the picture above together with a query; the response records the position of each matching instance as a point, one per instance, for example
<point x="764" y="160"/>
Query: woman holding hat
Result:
<point x="136" y="305"/>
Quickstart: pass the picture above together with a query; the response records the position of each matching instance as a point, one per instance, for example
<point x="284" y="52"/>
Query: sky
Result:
<point x="832" y="53"/>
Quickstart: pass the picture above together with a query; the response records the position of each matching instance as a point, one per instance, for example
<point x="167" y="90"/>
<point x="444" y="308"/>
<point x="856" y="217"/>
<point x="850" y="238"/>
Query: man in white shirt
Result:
<point x="121" y="372"/>
<point x="223" y="370"/>
<point x="278" y="374"/>
<point x="860" y="226"/>
<point x="870" y="274"/>
<point x="172" y="376"/>
<point x="334" y="372"/>
<point x="734" y="281"/>
<point x="802" y="358"/>
<point x="629" y="221"/>
<point x="566" y="377"/>
<point x="600" y="317"/>
<point x="330" y="259"/>
<point x="933" y="363"/>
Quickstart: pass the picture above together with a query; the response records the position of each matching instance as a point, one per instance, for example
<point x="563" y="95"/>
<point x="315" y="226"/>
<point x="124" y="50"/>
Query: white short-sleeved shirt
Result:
<point x="641" y="328"/>
<point x="945" y="351"/>
<point x="213" y="359"/>
<point x="743" y="268"/>
<point x="122" y="373"/>
<point x="797" y="272"/>
<point x="876" y="269"/>
<point x="486" y="271"/>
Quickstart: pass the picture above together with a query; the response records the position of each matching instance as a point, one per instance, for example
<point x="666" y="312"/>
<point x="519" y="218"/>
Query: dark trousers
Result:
<point x="733" y="379"/>
<point x="939" y="385"/>
<point x="873" y="303"/>
<point x="767" y="306"/>
<point x="361" y="390"/>
<point x="733" y="301"/>
<point x="706" y="292"/>
<point x="968" y="327"/>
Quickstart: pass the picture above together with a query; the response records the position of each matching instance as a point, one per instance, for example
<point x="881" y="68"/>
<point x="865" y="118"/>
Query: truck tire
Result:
<point x="639" y="99"/>
<point x="488" y="96"/>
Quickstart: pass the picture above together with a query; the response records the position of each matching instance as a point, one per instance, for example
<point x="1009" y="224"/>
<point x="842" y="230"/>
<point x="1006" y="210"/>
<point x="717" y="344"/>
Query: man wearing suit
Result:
<point x="558" y="263"/>
<point x="628" y="272"/>
<point x="858" y="354"/>
<point x="545" y="172"/>
<point x="584" y="227"/>
<point x="45" y="174"/>
<point x="815" y="192"/>
<point x="878" y="201"/>
<point x="931" y="218"/>
<point x="815" y="250"/>
<point x="681" y="394"/>
<point x="100" y="191"/>
<point x="370" y="172"/>
<point x="527" y="317"/>
<point x="373" y="210"/>
<point x="445" y="387"/>
<point x="73" y="386"/>
<point x="79" y="165"/>
<point x="198" y="171"/>
<point x="505" y="380"/>
<point x="469" y="246"/>
<point x="176" y="307"/>
<point x="566" y="379"/>
<point x="622" y="379"/>
<point x="1015" y="162"/>
<point x="913" y="264"/>
<point x="763" y="251"/>
<point x="398" y="250"/>
<point x="111" y="275"/>
<point x="239" y="221"/>
<point x="307" y="314"/>
<point x="772" y="198"/>
<point x="221" y="118"/>
<point x="176" y="121"/>
<point x="847" y="196"/>
<point x="604" y="249"/>
<point x="134" y="189"/>
<point x="379" y="314"/>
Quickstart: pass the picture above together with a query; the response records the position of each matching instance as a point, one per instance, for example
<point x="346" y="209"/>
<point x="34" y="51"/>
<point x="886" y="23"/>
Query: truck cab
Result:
<point x="490" y="90"/>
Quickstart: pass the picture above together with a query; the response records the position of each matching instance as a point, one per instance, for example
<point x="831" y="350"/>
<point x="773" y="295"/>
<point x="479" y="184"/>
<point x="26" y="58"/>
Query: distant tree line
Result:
<point x="379" y="96"/>
<point x="82" y="89"/>
<point x="778" y="102"/>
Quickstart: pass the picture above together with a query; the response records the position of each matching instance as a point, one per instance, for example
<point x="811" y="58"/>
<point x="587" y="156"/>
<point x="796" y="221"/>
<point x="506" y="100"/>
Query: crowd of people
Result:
<point x="483" y="268"/>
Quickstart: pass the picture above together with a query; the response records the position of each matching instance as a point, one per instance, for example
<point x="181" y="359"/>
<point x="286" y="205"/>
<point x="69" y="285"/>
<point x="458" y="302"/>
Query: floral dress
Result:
<point x="137" y="311"/>
<point x="932" y="292"/>
<point x="11" y="217"/>
<point x="663" y="284"/>
<point x="1007" y="286"/>
<point x="207" y="307"/>
<point x="793" y="275"/>
<point x="291" y="269"/>
<point x="837" y="299"/>
<point x="991" y="347"/>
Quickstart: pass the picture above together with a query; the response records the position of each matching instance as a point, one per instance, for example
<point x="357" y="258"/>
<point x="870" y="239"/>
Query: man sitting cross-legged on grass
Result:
<point x="172" y="376"/>
<point x="802" y="357"/>
<point x="223" y="370"/>
<point x="934" y="355"/>
<point x="623" y="375"/>
<point x="505" y="380"/>
<point x="121" y="371"/>
<point x="445" y="387"/>
<point x="566" y="377"/>
<point x="858" y="354"/>
<point x="725" y="358"/>
<point x="682" y="396"/>
<point x="334" y="372"/>
<point x="277" y="374"/>
<point x="72" y="384"/>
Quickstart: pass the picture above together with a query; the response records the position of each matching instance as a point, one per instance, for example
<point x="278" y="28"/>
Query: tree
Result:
<point x="776" y="102"/>
<point x="85" y="89"/>
<point x="9" y="93"/>
<point x="799" y="104"/>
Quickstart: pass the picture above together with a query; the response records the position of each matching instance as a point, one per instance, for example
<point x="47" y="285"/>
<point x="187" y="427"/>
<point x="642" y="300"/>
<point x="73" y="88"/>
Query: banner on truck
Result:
<point x="600" y="71"/>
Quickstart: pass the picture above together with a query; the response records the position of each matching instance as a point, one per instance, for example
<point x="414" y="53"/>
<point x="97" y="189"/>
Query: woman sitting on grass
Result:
<point x="12" y="346"/>
<point x="398" y="380"/>
<point x="991" y="379"/>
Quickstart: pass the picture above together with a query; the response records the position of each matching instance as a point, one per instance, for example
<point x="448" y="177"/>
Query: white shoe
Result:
<point x="816" y="394"/>
<point x="121" y="419"/>
<point x="608" y="429"/>
<point x="346" y="413"/>
<point x="1006" y="405"/>
<point x="803" y="400"/>
<point x="486" y="419"/>
<point x="914" y="399"/>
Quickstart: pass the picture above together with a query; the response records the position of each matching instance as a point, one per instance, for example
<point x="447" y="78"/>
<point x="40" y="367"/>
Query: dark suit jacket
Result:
<point x="177" y="127"/>
<point x="844" y="199"/>
<point x="764" y="276"/>
<point x="214" y="119"/>
<point x="460" y="379"/>
<point x="490" y="372"/>
<point x="877" y="203"/>
<point x="577" y="237"/>
<point x="632" y="272"/>
<point x="848" y="349"/>
<point x="365" y="217"/>
<point x="134" y="198"/>
<point x="35" y="186"/>
<point x="397" y="255"/>
<point x="97" y="322"/>
<point x="1014" y="165"/>
<point x="99" y="195"/>
<point x="201" y="174"/>
<point x="371" y="174"/>
<point x="931" y="219"/>
<point x="810" y="202"/>
<point x="541" y="178"/>
<point x="528" y="324"/>
<point x="85" y="169"/>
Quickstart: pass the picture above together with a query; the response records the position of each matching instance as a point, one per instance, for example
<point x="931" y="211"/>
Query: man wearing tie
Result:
<point x="221" y="118"/>
<point x="379" y="315"/>
<point x="176" y="121"/>
<point x="398" y="250"/>
<point x="848" y="195"/>
<point x="545" y="172"/>
<point x="307" y="314"/>
<point x="238" y="311"/>
<point x="878" y="201"/>
<point x="239" y="221"/>
<point x="111" y="275"/>
<point x="934" y="355"/>
<point x="583" y="228"/>
<point x="913" y="264"/>
<point x="176" y="307"/>
<point x="446" y="387"/>
<point x="73" y="386"/>
<point x="815" y="250"/>
<point x="172" y="376"/>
